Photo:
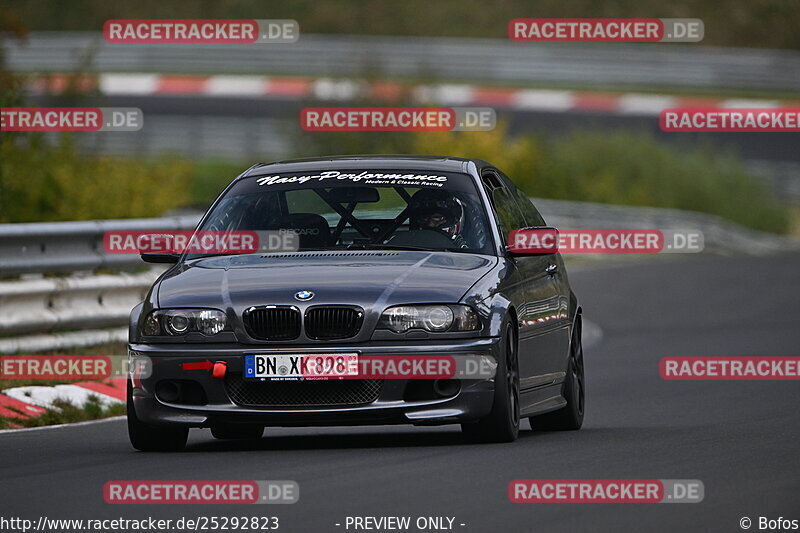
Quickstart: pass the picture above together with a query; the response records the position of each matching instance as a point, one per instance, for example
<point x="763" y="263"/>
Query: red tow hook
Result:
<point x="219" y="369"/>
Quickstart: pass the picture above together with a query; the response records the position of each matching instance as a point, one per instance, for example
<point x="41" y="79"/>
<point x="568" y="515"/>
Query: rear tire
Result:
<point x="502" y="424"/>
<point x="147" y="438"/>
<point x="231" y="432"/>
<point x="569" y="417"/>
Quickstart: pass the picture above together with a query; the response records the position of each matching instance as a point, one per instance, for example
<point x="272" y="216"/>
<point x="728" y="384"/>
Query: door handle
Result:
<point x="552" y="269"/>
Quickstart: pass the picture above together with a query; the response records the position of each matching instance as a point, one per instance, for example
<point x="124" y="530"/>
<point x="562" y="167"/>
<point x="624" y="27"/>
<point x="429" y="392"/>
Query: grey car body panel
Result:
<point x="497" y="286"/>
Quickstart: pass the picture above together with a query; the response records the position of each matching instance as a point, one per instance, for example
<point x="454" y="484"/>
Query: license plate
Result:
<point x="298" y="367"/>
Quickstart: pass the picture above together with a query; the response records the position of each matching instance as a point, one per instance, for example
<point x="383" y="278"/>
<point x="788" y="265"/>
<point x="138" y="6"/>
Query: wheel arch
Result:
<point x="493" y="311"/>
<point x="577" y="320"/>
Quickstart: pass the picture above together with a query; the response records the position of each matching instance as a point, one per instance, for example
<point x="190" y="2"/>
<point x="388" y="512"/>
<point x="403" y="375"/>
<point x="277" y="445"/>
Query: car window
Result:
<point x="361" y="209"/>
<point x="306" y="201"/>
<point x="508" y="213"/>
<point x="389" y="204"/>
<point x="532" y="215"/>
<point x="529" y="211"/>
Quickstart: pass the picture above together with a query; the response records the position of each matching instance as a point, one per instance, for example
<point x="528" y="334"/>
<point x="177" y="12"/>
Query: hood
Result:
<point x="370" y="279"/>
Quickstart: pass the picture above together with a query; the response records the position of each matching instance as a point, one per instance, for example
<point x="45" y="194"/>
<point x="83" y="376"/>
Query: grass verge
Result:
<point x="101" y="349"/>
<point x="619" y="167"/>
<point x="64" y="412"/>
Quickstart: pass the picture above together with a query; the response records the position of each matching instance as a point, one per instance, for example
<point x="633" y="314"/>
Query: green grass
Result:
<point x="102" y="349"/>
<point x="613" y="167"/>
<point x="64" y="412"/>
<point x="748" y="23"/>
<point x="41" y="183"/>
<point x="210" y="177"/>
<point x="13" y="383"/>
<point x="623" y="167"/>
<point x="631" y="169"/>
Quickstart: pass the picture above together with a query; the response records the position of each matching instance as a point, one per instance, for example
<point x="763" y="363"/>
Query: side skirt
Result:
<point x="541" y="400"/>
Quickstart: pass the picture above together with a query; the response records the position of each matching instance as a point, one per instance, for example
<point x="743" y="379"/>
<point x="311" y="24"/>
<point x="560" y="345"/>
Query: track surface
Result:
<point x="740" y="438"/>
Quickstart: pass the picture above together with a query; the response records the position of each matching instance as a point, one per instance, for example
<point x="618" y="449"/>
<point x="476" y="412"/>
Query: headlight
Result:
<point x="210" y="322"/>
<point x="434" y="318"/>
<point x="182" y="321"/>
<point x="177" y="322"/>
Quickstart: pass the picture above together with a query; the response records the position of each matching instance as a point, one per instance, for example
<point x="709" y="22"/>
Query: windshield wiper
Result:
<point x="192" y="257"/>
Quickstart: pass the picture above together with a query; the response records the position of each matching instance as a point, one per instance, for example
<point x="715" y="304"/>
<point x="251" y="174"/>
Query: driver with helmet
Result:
<point x="437" y="210"/>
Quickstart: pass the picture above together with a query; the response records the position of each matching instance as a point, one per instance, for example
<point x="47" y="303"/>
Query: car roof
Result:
<point x="426" y="162"/>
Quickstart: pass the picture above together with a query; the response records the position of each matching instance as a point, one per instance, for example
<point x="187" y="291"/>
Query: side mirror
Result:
<point x="159" y="247"/>
<point x="160" y="258"/>
<point x="533" y="241"/>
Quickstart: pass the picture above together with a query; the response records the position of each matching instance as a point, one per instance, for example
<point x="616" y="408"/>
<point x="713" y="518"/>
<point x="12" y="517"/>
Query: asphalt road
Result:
<point x="740" y="438"/>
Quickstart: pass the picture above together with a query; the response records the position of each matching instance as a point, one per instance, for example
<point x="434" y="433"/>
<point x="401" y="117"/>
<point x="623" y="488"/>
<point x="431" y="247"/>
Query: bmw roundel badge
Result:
<point x="303" y="296"/>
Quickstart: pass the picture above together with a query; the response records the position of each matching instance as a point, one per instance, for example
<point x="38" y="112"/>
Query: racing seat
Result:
<point x="313" y="230"/>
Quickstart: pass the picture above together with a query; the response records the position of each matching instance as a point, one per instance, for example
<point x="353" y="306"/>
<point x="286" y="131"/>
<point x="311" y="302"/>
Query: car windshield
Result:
<point x="358" y="209"/>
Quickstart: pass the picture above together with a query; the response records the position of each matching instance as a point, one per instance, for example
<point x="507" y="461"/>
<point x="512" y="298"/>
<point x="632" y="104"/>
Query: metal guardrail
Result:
<point x="720" y="235"/>
<point x="62" y="247"/>
<point x="36" y="344"/>
<point x="35" y="312"/>
<point x="58" y="247"/>
<point x="438" y="58"/>
<point x="68" y="303"/>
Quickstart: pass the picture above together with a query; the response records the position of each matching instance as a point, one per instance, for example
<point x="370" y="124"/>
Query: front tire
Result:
<point x="502" y="424"/>
<point x="147" y="438"/>
<point x="569" y="417"/>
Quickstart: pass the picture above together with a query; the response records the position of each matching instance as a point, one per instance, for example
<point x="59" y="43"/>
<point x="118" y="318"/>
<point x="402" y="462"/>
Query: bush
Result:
<point x="760" y="23"/>
<point x="630" y="169"/>
<point x="517" y="157"/>
<point x="209" y="178"/>
<point x="41" y="182"/>
<point x="617" y="168"/>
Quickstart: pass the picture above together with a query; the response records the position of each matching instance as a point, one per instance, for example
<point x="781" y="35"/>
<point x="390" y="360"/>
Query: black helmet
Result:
<point x="427" y="202"/>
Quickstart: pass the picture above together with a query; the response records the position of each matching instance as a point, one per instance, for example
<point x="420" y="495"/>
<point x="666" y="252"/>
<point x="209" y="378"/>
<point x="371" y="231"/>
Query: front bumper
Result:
<point x="393" y="403"/>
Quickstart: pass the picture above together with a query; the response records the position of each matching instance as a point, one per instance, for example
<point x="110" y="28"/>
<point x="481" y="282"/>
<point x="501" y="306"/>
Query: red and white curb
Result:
<point x="13" y="408"/>
<point x="242" y="86"/>
<point x="32" y="401"/>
